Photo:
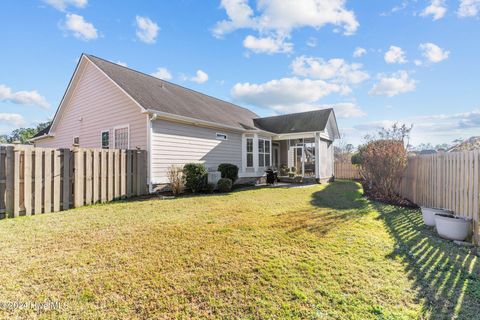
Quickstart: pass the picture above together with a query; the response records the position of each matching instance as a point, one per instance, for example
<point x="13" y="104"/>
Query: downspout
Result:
<point x="149" y="151"/>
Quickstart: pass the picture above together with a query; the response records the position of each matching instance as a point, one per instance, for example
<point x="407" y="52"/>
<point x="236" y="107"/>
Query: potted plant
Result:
<point x="452" y="227"/>
<point x="428" y="215"/>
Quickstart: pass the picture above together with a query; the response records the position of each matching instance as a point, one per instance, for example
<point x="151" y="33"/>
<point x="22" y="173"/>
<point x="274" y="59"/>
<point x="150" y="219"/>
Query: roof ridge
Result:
<point x="297" y="113"/>
<point x="168" y="82"/>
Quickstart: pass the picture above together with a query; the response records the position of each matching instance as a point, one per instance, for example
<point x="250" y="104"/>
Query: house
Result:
<point x="110" y="106"/>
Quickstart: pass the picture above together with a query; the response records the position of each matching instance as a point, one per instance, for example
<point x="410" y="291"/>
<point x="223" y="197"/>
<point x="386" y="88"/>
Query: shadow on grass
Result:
<point x="446" y="276"/>
<point x="334" y="205"/>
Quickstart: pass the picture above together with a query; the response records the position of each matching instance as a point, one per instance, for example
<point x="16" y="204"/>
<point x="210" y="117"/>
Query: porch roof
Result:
<point x="311" y="121"/>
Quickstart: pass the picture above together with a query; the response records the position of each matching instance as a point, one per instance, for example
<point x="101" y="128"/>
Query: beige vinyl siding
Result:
<point x="97" y="104"/>
<point x="177" y="144"/>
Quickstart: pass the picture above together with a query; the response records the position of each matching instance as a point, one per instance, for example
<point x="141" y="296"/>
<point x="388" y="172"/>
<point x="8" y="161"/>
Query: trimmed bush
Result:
<point x="224" y="185"/>
<point x="229" y="171"/>
<point x="195" y="176"/>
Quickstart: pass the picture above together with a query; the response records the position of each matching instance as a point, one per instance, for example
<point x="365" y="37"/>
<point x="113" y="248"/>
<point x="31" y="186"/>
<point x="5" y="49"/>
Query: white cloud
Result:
<point x="347" y="110"/>
<point x="394" y="84"/>
<point x="433" y="53"/>
<point x="81" y="29"/>
<point x="12" y="118"/>
<point x="277" y="18"/>
<point x="468" y="8"/>
<point x="436" y="128"/>
<point x="267" y="45"/>
<point x="359" y="52"/>
<point x="286" y="94"/>
<point x="337" y="70"/>
<point x="437" y="9"/>
<point x="162" y="73"/>
<point x="147" y="30"/>
<point x="121" y="63"/>
<point x="22" y="97"/>
<point x="200" y="77"/>
<point x="63" y="4"/>
<point x="395" y="55"/>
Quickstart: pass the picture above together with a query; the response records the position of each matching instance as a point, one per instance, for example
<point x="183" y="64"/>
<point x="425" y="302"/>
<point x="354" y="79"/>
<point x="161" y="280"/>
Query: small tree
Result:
<point x="176" y="179"/>
<point x="382" y="163"/>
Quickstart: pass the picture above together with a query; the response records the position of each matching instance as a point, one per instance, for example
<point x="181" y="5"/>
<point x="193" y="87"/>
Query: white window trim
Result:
<point x="73" y="141"/>
<point x="109" y="138"/>
<point x="221" y="134"/>
<point x="121" y="127"/>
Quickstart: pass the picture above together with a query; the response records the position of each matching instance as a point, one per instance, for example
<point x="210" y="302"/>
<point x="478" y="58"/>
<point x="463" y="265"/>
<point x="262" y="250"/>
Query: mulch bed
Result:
<point x="374" y="195"/>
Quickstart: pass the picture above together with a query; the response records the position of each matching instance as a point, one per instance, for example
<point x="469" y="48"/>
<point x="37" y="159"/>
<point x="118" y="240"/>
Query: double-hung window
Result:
<point x="121" y="137"/>
<point x="263" y="153"/>
<point x="249" y="152"/>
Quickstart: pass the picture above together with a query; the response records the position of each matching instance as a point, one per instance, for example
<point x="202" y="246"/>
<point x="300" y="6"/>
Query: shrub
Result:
<point x="195" y="176"/>
<point x="176" y="179"/>
<point x="224" y="185"/>
<point x="283" y="170"/>
<point x="382" y="163"/>
<point x="229" y="171"/>
<point x="356" y="159"/>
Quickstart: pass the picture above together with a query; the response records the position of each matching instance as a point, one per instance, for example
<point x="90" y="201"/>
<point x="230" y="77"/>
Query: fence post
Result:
<point x="57" y="164"/>
<point x="67" y="192"/>
<point x="79" y="177"/>
<point x="10" y="183"/>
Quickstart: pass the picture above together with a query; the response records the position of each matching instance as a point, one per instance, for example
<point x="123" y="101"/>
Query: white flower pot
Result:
<point x="453" y="228"/>
<point x="428" y="215"/>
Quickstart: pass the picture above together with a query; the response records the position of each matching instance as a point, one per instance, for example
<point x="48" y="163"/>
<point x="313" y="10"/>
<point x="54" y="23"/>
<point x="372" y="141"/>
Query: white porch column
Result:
<point x="255" y="152"/>
<point x="317" y="155"/>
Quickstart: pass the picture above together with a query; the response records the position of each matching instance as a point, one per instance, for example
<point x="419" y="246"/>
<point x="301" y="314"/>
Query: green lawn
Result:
<point x="318" y="252"/>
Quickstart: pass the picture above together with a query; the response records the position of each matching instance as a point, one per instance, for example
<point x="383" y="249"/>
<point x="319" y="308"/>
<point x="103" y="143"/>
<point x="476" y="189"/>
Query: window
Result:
<point x="121" y="138"/>
<point x="76" y="141"/>
<point x="249" y="152"/>
<point x="263" y="153"/>
<point x="221" y="136"/>
<point x="105" y="139"/>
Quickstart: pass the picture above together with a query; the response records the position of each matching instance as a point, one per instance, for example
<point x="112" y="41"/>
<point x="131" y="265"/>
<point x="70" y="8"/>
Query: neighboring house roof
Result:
<point x="295" y="122"/>
<point x="159" y="95"/>
<point x="43" y="131"/>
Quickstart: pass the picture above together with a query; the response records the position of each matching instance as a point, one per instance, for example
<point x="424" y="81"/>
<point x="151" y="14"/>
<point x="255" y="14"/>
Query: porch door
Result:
<point x="276" y="156"/>
<point x="298" y="159"/>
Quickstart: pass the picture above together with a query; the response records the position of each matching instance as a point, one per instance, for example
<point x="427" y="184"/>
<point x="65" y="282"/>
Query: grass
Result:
<point x="319" y="252"/>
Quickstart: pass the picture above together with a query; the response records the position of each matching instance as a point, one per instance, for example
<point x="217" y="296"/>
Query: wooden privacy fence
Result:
<point x="346" y="170"/>
<point x="445" y="180"/>
<point x="41" y="180"/>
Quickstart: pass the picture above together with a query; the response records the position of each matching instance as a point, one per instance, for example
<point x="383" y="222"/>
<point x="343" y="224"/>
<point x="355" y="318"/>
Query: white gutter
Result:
<point x="41" y="137"/>
<point x="197" y="122"/>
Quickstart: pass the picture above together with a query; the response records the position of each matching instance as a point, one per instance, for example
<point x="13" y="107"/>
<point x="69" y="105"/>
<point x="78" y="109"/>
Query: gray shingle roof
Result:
<point x="295" y="122"/>
<point x="159" y="95"/>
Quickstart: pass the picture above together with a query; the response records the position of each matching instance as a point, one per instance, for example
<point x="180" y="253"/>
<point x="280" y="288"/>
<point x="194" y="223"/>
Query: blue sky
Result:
<point x="374" y="61"/>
